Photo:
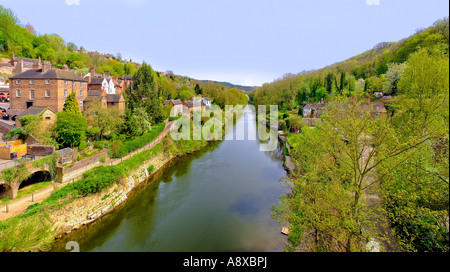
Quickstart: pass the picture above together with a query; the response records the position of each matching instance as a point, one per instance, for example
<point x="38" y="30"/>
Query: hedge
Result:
<point x="127" y="147"/>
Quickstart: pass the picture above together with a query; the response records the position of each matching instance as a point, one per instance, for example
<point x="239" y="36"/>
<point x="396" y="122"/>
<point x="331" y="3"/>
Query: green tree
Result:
<point x="71" y="104"/>
<point x="103" y="122"/>
<point x="70" y="128"/>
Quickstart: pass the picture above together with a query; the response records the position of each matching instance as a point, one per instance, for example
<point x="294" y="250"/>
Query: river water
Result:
<point x="216" y="200"/>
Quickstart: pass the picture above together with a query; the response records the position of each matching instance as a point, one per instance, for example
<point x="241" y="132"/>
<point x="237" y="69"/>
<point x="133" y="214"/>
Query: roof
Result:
<point x="206" y="98"/>
<point x="113" y="98"/>
<point x="91" y="98"/>
<point x="6" y="64"/>
<point x="377" y="107"/>
<point x="316" y="105"/>
<point x="96" y="81"/>
<point x="94" y="93"/>
<point x="50" y="74"/>
<point x="33" y="110"/>
<point x="174" y="102"/>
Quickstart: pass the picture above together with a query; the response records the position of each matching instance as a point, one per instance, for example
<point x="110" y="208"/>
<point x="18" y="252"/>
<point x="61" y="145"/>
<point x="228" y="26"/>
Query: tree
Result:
<point x="71" y="104"/>
<point x="198" y="90"/>
<point x="137" y="122"/>
<point x="329" y="79"/>
<point x="295" y="122"/>
<point x="393" y="76"/>
<point x="344" y="161"/>
<point x="103" y="122"/>
<point x="70" y="128"/>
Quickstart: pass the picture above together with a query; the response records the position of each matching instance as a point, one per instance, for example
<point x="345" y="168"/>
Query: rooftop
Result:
<point x="49" y="74"/>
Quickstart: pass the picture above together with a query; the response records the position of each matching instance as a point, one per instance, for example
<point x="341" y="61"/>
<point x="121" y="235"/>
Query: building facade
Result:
<point x="46" y="87"/>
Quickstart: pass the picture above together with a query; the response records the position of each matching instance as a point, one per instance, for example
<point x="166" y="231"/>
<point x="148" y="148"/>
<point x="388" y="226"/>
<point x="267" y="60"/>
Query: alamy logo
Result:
<point x="373" y="2"/>
<point x="207" y="124"/>
<point x="73" y="2"/>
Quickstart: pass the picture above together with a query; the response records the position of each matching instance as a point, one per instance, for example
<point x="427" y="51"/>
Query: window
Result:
<point x="81" y="103"/>
<point x="81" y="92"/>
<point x="18" y="81"/>
<point x="377" y="115"/>
<point x="47" y="81"/>
<point x="66" y="93"/>
<point x="81" y="84"/>
<point x="48" y="118"/>
<point x="31" y="81"/>
<point x="47" y="93"/>
<point x="65" y="82"/>
<point x="18" y="93"/>
<point x="31" y="94"/>
<point x="73" y="83"/>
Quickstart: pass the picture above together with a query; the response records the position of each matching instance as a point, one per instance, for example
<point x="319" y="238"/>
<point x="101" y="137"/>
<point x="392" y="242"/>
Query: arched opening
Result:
<point x="5" y="191"/>
<point x="37" y="177"/>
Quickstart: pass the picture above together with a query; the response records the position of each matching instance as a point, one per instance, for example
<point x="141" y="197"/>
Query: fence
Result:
<point x="35" y="196"/>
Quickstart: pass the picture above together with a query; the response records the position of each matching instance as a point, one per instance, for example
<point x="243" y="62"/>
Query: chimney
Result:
<point x="19" y="68"/>
<point x="80" y="74"/>
<point x="37" y="64"/>
<point x="92" y="72"/>
<point x="106" y="74"/>
<point x="46" y="66"/>
<point x="65" y="67"/>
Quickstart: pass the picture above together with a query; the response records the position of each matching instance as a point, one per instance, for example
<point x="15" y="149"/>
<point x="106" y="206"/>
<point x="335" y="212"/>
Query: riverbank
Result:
<point x="99" y="192"/>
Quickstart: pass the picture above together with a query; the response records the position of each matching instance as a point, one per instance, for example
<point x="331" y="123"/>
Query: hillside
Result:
<point x="230" y="85"/>
<point x="376" y="70"/>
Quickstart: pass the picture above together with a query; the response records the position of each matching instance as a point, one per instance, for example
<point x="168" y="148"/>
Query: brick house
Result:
<point x="106" y="100"/>
<point x="177" y="106"/>
<point x="45" y="87"/>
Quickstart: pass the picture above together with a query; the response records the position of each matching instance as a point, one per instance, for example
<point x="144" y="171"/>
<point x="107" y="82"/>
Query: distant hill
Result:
<point x="230" y="85"/>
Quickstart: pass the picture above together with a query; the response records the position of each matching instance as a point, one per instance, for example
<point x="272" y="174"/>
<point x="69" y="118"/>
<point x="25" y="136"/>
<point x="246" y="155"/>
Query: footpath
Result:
<point x="18" y="206"/>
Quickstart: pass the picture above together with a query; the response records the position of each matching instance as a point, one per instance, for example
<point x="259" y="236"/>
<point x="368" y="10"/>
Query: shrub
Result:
<point x="119" y="149"/>
<point x="102" y="159"/>
<point x="151" y="168"/>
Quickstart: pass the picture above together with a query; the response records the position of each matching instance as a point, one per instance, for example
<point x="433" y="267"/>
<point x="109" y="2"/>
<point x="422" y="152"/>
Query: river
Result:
<point x="216" y="200"/>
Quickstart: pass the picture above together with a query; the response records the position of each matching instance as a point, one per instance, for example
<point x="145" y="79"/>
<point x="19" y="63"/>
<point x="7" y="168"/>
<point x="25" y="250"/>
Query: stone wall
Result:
<point x="40" y="150"/>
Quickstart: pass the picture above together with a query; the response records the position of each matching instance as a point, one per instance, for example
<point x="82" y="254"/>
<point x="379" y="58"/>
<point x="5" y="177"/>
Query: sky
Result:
<point x="246" y="42"/>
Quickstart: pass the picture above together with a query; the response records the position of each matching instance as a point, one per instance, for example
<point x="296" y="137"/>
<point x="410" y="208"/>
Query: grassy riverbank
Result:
<point x="34" y="229"/>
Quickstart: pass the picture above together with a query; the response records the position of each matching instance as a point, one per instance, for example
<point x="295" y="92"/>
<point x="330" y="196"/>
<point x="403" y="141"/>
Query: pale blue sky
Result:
<point x="245" y="42"/>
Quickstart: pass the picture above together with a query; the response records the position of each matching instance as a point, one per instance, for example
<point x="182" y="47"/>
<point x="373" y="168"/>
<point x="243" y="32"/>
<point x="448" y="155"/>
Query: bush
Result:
<point x="119" y="149"/>
<point x="102" y="159"/>
<point x="151" y="168"/>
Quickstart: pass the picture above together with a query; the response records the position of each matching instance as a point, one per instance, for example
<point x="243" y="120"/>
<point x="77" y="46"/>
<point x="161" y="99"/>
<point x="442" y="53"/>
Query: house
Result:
<point x="194" y="105"/>
<point x="376" y="109"/>
<point x="115" y="100"/>
<point x="47" y="115"/>
<point x="318" y="108"/>
<point x="106" y="100"/>
<point x="177" y="106"/>
<point x="101" y="82"/>
<point x="206" y="101"/>
<point x="6" y="67"/>
<point x="43" y="86"/>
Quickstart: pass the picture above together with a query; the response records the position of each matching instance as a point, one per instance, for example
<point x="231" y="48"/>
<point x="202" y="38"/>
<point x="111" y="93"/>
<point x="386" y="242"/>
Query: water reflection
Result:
<point x="217" y="199"/>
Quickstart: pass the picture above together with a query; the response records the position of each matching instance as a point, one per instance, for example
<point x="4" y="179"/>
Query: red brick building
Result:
<point x="45" y="87"/>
